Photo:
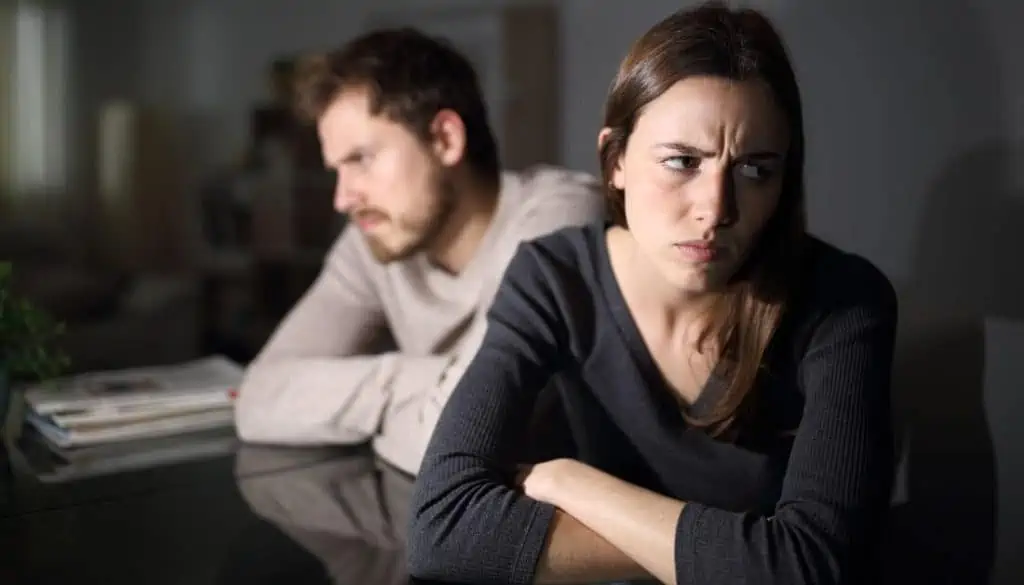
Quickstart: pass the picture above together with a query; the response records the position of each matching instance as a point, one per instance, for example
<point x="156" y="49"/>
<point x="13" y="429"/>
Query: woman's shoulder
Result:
<point x="566" y="254"/>
<point x="551" y="286"/>
<point x="839" y="294"/>
<point x="833" y="279"/>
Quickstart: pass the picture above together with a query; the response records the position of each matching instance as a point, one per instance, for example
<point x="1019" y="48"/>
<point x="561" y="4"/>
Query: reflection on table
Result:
<point x="351" y="512"/>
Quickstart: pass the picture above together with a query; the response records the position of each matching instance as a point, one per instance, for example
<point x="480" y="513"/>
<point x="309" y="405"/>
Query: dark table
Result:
<point x="259" y="515"/>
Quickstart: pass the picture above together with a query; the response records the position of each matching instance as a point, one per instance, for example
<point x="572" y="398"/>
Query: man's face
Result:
<point x="390" y="182"/>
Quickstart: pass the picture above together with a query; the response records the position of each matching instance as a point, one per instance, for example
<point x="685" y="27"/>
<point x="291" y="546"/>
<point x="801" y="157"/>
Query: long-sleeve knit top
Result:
<point x="796" y="498"/>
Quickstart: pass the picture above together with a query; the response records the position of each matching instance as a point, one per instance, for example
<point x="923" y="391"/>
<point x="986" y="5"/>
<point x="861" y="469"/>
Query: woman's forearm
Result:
<point x="639" y="523"/>
<point x="574" y="553"/>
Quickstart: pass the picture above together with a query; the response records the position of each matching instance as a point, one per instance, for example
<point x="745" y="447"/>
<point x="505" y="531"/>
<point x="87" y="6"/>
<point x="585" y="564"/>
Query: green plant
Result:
<point x="28" y="336"/>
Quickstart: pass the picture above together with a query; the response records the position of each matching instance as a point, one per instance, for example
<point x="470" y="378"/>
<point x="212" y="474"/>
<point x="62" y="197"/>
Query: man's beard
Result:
<point x="424" y="232"/>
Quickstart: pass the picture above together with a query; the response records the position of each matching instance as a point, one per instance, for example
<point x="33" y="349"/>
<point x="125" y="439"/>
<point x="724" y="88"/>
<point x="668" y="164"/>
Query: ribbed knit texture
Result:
<point x="798" y="498"/>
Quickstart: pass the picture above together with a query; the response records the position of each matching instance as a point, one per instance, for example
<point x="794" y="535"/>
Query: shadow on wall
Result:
<point x="905" y="171"/>
<point x="971" y="238"/>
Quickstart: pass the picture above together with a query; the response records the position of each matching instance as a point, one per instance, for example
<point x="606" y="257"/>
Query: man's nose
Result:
<point x="345" y="197"/>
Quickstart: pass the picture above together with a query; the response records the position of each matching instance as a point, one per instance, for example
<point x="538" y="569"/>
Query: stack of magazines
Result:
<point x="140" y="414"/>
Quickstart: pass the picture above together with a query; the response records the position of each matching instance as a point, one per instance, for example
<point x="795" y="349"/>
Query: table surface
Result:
<point x="254" y="515"/>
<point x="257" y="515"/>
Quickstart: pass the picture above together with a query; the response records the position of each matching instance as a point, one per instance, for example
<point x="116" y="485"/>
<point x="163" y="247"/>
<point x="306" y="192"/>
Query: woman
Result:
<point x="732" y="405"/>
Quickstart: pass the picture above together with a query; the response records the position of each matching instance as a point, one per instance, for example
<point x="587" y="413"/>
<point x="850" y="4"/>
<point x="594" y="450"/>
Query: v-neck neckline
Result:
<point x="626" y="323"/>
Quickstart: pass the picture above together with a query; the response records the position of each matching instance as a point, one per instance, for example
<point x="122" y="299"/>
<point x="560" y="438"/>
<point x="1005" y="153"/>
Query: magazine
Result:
<point x="163" y="386"/>
<point x="123" y="405"/>
<point x="170" y="425"/>
<point x="50" y="463"/>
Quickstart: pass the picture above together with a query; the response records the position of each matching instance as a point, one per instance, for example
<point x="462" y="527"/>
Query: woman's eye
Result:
<point x="682" y="163"/>
<point x="754" y="172"/>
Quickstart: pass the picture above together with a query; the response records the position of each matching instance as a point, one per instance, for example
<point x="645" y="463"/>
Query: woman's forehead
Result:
<point x="711" y="114"/>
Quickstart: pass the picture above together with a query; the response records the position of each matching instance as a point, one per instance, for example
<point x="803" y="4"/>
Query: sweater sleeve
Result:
<point x="835" y="492"/>
<point x="469" y="525"/>
<point x="412" y="414"/>
<point x="318" y="380"/>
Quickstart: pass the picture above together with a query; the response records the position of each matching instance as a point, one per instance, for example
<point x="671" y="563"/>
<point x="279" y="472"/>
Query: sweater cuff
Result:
<point x="691" y="535"/>
<point x="411" y="377"/>
<point x="404" y="431"/>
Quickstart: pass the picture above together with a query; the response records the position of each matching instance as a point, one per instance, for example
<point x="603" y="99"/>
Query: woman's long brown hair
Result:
<point x="712" y="40"/>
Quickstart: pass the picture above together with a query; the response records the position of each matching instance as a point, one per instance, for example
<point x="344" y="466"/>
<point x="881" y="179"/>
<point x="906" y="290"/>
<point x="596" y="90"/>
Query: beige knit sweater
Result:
<point x="317" y="381"/>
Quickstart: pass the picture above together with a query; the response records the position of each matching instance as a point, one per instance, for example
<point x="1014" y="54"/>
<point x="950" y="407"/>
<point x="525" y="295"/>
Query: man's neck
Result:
<point x="460" y="238"/>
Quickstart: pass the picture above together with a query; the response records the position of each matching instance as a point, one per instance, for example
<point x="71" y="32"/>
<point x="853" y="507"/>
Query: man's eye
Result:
<point x="359" y="157"/>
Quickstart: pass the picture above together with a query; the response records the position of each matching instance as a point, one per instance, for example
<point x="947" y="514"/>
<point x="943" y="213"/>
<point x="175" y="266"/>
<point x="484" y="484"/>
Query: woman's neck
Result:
<point x="683" y="312"/>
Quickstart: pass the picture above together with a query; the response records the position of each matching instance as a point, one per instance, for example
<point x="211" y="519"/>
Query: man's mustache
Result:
<point x="369" y="214"/>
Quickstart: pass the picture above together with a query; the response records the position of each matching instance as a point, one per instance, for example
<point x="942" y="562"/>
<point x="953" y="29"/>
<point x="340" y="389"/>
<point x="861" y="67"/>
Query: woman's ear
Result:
<point x="617" y="179"/>
<point x="449" y="137"/>
<point x="602" y="137"/>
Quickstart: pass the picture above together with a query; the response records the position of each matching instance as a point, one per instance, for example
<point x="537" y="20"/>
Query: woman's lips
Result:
<point x="699" y="250"/>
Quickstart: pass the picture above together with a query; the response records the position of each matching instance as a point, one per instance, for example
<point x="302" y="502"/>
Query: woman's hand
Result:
<point x="640" y="523"/>
<point x="544" y="481"/>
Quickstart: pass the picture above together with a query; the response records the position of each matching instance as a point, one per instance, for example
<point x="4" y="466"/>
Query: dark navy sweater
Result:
<point x="798" y="497"/>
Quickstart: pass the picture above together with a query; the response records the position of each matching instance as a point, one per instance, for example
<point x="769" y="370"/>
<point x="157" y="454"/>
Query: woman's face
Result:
<point x="702" y="175"/>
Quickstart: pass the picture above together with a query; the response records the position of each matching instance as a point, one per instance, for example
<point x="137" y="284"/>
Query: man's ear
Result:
<point x="449" y="137"/>
<point x="617" y="179"/>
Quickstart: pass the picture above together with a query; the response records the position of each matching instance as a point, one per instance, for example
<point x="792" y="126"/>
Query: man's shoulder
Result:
<point x="548" y="186"/>
<point x="554" y="177"/>
<point x="543" y="199"/>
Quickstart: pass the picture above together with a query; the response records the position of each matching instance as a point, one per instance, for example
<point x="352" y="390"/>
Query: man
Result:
<point x="433" y="223"/>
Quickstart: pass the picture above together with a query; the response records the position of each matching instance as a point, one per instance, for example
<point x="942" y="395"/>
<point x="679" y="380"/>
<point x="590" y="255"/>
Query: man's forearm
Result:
<point x="575" y="554"/>
<point x="417" y="400"/>
<point x="324" y="400"/>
